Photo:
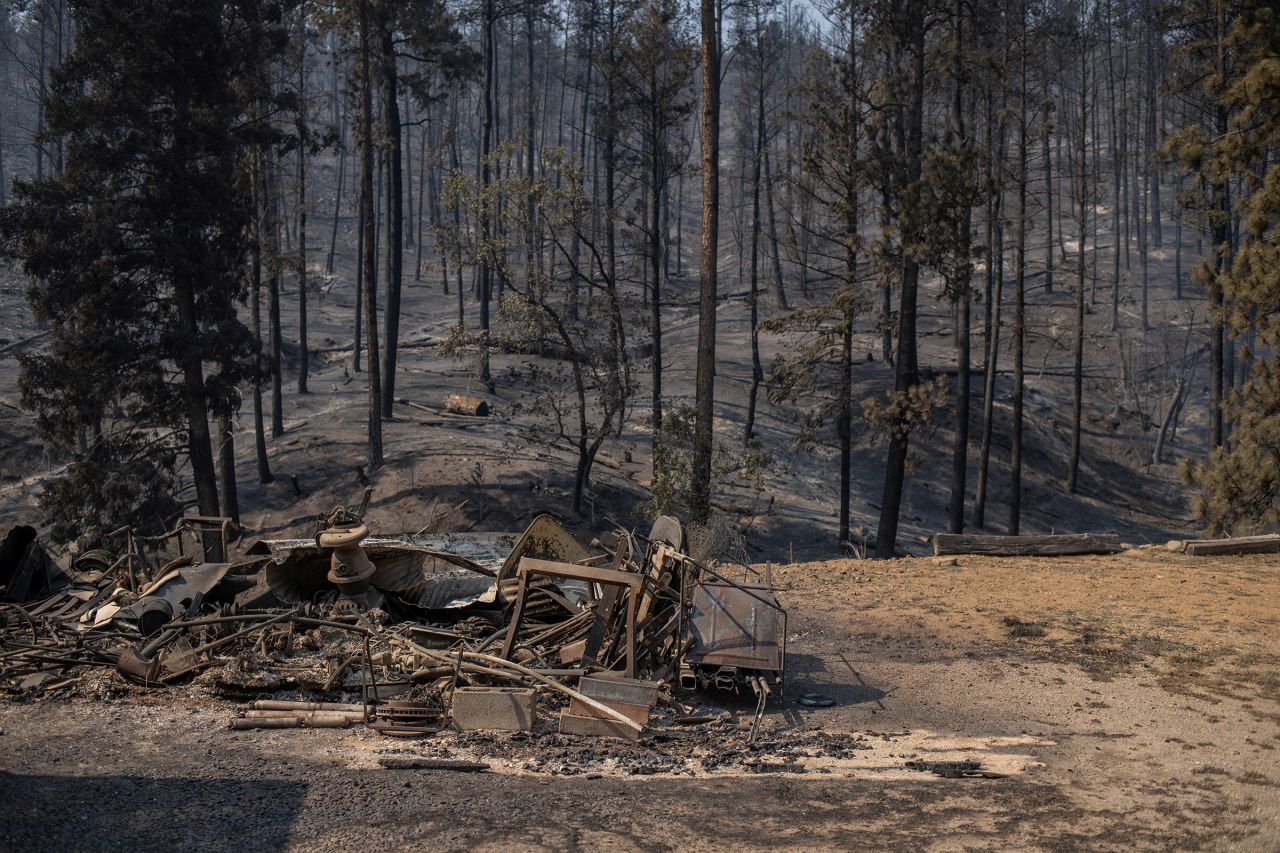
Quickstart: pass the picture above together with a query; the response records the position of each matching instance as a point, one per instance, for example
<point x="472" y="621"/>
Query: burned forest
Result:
<point x="649" y="424"/>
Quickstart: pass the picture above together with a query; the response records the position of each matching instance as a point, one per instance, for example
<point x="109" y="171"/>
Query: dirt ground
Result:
<point x="1124" y="702"/>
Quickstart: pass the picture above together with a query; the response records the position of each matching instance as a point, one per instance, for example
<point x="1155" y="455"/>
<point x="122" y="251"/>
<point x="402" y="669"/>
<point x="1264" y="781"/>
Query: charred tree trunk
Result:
<point x="395" y="217"/>
<point x="255" y="313"/>
<point x="1177" y="241"/>
<point x="227" y="468"/>
<point x="905" y="372"/>
<point x="1221" y="246"/>
<point x="274" y="271"/>
<point x="304" y="351"/>
<point x="960" y="450"/>
<point x="1082" y="202"/>
<point x="198" y="440"/>
<point x="1047" y="153"/>
<point x="370" y="247"/>
<point x="337" y="195"/>
<point x="991" y="359"/>
<point x="486" y="221"/>
<point x="775" y="254"/>
<point x="1019" y="306"/>
<point x="531" y="242"/>
<point x="654" y="216"/>
<point x="704" y="387"/>
<point x="757" y="370"/>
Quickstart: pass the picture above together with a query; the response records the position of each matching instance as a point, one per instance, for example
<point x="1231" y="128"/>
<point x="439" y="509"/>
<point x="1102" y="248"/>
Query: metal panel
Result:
<point x="731" y="626"/>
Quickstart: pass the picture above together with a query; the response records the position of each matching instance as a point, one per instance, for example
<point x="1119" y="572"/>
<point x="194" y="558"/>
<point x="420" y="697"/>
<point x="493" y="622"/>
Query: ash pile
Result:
<point x="406" y="633"/>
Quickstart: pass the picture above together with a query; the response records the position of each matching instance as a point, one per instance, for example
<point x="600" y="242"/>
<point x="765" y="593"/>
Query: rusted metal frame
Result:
<point x="199" y="525"/>
<point x="517" y="613"/>
<point x="35" y="634"/>
<point x="782" y="656"/>
<point x="61" y="661"/>
<point x="726" y="615"/>
<point x="554" y="631"/>
<point x="761" y="688"/>
<point x="224" y="527"/>
<point x="373" y="679"/>
<point x="604" y="614"/>
<point x="572" y="571"/>
<point x="632" y="605"/>
<point x="688" y="579"/>
<point x="611" y="652"/>
<point x="607" y="577"/>
<point x="609" y="599"/>
<point x="558" y="599"/>
<point x="749" y="590"/>
<point x="457" y="673"/>
<point x="23" y="650"/>
<point x="654" y="641"/>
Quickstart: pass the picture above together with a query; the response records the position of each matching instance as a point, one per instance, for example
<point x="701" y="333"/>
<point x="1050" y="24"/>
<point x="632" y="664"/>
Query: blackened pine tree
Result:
<point x="833" y="178"/>
<point x="136" y="256"/>
<point x="650" y="69"/>
<point x="896" y="143"/>
<point x="425" y="32"/>
<point x="1239" y="483"/>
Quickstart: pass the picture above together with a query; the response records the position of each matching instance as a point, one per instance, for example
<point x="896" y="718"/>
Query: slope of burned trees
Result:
<point x="1011" y="228"/>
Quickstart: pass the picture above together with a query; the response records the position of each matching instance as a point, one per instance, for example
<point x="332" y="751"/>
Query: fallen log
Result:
<point x="460" y="405"/>
<point x="464" y="410"/>
<point x="1266" y="544"/>
<point x="1044" y="545"/>
<point x="7" y="348"/>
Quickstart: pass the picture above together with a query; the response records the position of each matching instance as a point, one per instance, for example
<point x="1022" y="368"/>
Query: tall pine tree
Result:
<point x="136" y="252"/>
<point x="1240" y="483"/>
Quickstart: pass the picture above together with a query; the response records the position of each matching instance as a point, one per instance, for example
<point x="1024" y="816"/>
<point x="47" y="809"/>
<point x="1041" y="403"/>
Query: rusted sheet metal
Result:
<point x="544" y="539"/>
<point x="26" y="570"/>
<point x="170" y="595"/>
<point x="732" y="626"/>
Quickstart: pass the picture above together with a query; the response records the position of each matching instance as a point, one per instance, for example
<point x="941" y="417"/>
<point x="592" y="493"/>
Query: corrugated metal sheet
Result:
<point x="481" y="552"/>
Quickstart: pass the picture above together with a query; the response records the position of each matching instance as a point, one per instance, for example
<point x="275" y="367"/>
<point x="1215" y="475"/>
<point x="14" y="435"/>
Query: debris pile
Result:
<point x="404" y="633"/>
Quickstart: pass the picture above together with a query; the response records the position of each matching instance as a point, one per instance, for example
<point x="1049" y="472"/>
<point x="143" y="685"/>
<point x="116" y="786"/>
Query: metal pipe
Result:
<point x="290" y="705"/>
<point x="276" y="715"/>
<point x="244" y="617"/>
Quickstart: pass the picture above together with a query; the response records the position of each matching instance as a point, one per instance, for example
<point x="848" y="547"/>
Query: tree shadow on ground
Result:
<point x="836" y="679"/>
<point x="136" y="813"/>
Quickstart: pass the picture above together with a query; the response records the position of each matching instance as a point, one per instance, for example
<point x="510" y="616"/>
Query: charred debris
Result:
<point x="406" y="633"/>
